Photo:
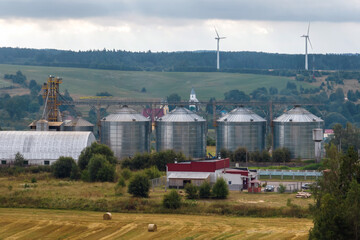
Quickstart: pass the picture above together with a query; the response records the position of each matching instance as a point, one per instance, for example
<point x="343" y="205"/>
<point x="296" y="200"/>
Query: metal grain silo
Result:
<point x="183" y="131"/>
<point x="241" y="128"/>
<point x="79" y="124"/>
<point x="126" y="132"/>
<point x="294" y="130"/>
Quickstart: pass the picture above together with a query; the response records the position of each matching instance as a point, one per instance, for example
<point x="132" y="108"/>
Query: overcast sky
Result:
<point x="182" y="25"/>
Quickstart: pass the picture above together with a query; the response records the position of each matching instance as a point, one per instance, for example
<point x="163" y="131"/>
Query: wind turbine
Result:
<point x="218" y="42"/>
<point x="307" y="39"/>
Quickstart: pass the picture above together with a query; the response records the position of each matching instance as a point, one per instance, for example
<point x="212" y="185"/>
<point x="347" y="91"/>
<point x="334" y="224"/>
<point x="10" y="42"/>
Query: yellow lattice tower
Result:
<point x="51" y="98"/>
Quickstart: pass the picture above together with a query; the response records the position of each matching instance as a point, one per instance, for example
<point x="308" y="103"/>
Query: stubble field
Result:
<point x="62" y="224"/>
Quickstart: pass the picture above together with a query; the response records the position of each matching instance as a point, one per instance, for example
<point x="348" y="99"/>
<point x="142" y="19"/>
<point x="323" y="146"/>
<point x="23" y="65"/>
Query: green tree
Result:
<point x="100" y="169"/>
<point x="19" y="159"/>
<point x="139" y="185"/>
<point x="224" y="153"/>
<point x="205" y="190"/>
<point x="63" y="167"/>
<point x="172" y="200"/>
<point x="236" y="96"/>
<point x="240" y="154"/>
<point x="173" y="98"/>
<point x="191" y="191"/>
<point x="75" y="172"/>
<point x="220" y="189"/>
<point x="281" y="155"/>
<point x="337" y="199"/>
<point x="95" y="148"/>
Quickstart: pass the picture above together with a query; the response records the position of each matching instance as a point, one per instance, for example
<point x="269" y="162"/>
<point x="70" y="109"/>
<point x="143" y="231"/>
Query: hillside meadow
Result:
<point x="128" y="84"/>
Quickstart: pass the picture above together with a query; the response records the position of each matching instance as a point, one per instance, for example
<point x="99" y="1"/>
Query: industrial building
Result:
<point x="78" y="124"/>
<point x="183" y="131"/>
<point x="240" y="128"/>
<point x="126" y="132"/>
<point x="42" y="147"/>
<point x="294" y="130"/>
<point x="196" y="172"/>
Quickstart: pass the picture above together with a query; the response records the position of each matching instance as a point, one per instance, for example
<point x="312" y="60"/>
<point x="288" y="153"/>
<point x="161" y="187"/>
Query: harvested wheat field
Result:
<point x="64" y="224"/>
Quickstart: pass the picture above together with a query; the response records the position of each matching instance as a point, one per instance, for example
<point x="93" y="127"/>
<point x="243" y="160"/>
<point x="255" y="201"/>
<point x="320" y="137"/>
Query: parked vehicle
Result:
<point x="269" y="188"/>
<point x="306" y="186"/>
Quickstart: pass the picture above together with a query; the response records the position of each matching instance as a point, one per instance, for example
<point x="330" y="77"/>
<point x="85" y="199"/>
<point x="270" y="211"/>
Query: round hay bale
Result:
<point x="152" y="227"/>
<point x="107" y="216"/>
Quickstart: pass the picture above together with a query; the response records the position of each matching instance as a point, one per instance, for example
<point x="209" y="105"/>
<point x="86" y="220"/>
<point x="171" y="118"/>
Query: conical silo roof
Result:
<point x="241" y="114"/>
<point x="298" y="114"/>
<point x="181" y="114"/>
<point x="125" y="114"/>
<point x="79" y="122"/>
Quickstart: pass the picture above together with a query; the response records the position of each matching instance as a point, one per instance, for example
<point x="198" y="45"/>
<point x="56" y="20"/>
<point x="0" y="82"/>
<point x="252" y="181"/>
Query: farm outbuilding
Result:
<point x="197" y="172"/>
<point x="42" y="147"/>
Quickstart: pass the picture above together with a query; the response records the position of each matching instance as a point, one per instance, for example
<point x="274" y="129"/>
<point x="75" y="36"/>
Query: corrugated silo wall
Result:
<point x="297" y="137"/>
<point x="231" y="135"/>
<point x="126" y="138"/>
<point x="186" y="137"/>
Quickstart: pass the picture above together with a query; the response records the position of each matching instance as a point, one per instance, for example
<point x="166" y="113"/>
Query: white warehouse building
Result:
<point x="42" y="147"/>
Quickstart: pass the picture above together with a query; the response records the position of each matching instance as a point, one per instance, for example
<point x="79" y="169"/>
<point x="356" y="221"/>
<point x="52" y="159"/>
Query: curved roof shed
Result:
<point x="37" y="147"/>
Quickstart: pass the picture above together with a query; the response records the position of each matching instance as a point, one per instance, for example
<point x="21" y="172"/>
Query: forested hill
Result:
<point x="197" y="61"/>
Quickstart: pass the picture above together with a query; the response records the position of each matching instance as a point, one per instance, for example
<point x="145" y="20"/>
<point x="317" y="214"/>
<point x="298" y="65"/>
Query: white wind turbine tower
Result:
<point x="307" y="39"/>
<point x="218" y="42"/>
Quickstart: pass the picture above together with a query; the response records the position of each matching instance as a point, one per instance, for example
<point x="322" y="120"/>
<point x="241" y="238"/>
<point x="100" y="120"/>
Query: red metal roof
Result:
<point x="199" y="166"/>
<point x="237" y="171"/>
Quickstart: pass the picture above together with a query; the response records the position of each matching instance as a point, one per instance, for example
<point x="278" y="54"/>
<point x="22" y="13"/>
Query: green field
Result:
<point x="61" y="224"/>
<point x="127" y="84"/>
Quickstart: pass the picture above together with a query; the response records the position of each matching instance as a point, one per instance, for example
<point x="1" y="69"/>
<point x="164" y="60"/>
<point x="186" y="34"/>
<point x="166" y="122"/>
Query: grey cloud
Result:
<point x="273" y="10"/>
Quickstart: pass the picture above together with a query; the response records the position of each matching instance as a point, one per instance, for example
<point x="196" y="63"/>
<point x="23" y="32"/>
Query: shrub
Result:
<point x="75" y="172"/>
<point x="139" y="185"/>
<point x="19" y="159"/>
<point x="33" y="180"/>
<point x="220" y="189"/>
<point x="282" y="188"/>
<point x="126" y="173"/>
<point x="224" y="153"/>
<point x="119" y="188"/>
<point x="152" y="172"/>
<point x="191" y="191"/>
<point x="62" y="167"/>
<point x="85" y="176"/>
<point x="100" y="169"/>
<point x="265" y="156"/>
<point x="255" y="156"/>
<point x="95" y="148"/>
<point x="313" y="166"/>
<point x="172" y="200"/>
<point x="281" y="155"/>
<point x="240" y="154"/>
<point x="205" y="190"/>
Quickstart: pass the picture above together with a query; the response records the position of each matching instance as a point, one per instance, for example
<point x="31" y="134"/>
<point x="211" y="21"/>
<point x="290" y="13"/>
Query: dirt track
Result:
<point x="58" y="224"/>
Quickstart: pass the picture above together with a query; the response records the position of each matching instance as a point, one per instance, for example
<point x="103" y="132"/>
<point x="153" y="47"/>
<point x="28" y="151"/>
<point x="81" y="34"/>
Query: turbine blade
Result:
<point x="310" y="42"/>
<point x="308" y="29"/>
<point x="216" y="33"/>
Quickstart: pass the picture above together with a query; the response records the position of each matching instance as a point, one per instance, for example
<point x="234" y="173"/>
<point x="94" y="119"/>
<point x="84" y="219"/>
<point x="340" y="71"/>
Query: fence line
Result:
<point x="288" y="173"/>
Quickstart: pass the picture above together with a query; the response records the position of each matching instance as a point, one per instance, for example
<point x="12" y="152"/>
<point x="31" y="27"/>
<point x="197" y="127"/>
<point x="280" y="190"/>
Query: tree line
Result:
<point x="190" y="61"/>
